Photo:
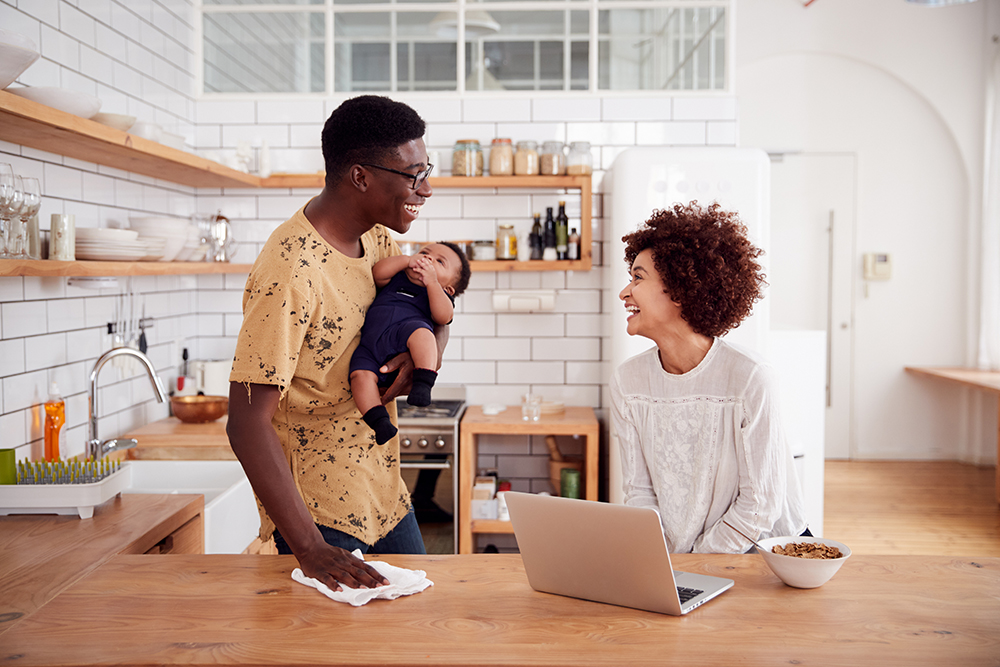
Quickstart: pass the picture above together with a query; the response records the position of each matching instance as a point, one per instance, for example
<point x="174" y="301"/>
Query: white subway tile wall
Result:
<point x="139" y="58"/>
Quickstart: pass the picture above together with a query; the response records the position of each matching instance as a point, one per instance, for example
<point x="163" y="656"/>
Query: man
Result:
<point x="323" y="486"/>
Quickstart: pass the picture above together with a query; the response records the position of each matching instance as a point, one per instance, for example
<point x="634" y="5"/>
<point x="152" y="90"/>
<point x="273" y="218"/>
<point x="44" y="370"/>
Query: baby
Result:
<point x="415" y="294"/>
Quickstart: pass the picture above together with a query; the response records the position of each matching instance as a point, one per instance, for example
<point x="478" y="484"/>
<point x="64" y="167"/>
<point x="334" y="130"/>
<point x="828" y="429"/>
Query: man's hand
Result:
<point x="335" y="566"/>
<point x="404" y="380"/>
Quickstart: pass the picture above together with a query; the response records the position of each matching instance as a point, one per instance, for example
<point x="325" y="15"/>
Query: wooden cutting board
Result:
<point x="173" y="440"/>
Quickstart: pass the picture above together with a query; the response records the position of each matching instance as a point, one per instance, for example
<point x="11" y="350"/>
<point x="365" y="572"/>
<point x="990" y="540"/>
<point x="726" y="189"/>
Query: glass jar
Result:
<point x="580" y="160"/>
<point x="484" y="250"/>
<point x="526" y="159"/>
<point x="467" y="158"/>
<point x="552" y="162"/>
<point x="501" y="158"/>
<point x="506" y="242"/>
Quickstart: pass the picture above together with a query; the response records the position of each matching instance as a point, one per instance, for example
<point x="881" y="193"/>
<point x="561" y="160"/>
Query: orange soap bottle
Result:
<point x="55" y="417"/>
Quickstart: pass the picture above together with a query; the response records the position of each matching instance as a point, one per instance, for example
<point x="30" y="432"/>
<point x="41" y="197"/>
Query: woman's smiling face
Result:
<point x="650" y="309"/>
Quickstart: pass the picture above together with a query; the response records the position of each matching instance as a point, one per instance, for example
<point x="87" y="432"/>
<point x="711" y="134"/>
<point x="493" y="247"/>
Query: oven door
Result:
<point x="431" y="478"/>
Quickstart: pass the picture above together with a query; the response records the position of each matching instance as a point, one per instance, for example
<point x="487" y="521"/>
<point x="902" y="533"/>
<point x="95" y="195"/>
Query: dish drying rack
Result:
<point x="64" y="487"/>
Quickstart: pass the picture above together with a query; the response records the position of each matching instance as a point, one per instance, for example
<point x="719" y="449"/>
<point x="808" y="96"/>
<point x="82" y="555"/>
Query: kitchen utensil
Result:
<point x="802" y="572"/>
<point x="741" y="533"/>
<point x="70" y="101"/>
<point x="17" y="53"/>
<point x="221" y="237"/>
<point x="212" y="377"/>
<point x="199" y="409"/>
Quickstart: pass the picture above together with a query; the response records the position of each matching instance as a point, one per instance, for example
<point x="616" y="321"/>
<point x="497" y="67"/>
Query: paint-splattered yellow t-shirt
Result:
<point x="303" y="308"/>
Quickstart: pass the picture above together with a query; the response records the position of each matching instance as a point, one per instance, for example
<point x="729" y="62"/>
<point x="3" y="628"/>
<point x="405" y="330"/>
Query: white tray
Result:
<point x="63" y="498"/>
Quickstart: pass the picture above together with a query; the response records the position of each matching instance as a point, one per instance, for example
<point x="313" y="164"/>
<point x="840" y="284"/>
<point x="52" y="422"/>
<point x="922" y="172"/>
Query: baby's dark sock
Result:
<point x="423" y="380"/>
<point x="378" y="419"/>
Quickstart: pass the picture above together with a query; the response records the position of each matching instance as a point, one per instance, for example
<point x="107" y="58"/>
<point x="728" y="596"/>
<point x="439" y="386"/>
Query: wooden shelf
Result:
<point x="491" y="526"/>
<point x="578" y="182"/>
<point x="29" y="123"/>
<point x="49" y="268"/>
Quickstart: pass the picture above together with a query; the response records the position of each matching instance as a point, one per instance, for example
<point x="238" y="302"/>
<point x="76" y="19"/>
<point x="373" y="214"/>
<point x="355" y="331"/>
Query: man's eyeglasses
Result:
<point x="418" y="178"/>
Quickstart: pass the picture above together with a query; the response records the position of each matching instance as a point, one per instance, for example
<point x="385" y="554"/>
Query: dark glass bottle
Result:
<point x="550" y="235"/>
<point x="536" y="237"/>
<point x="562" y="232"/>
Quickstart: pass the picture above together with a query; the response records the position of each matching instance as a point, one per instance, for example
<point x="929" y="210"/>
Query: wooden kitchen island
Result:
<point x="246" y="610"/>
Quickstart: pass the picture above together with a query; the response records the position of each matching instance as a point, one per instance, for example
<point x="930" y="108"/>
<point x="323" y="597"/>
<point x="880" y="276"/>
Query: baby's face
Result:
<point x="447" y="265"/>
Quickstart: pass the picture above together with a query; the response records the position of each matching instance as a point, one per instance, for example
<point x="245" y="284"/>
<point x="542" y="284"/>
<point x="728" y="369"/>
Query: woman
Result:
<point x="696" y="417"/>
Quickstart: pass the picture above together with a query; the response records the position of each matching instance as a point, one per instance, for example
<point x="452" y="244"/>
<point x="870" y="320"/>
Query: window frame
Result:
<point x="331" y="7"/>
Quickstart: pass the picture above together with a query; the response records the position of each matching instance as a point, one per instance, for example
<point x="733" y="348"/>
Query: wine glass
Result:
<point x="31" y="201"/>
<point x="10" y="204"/>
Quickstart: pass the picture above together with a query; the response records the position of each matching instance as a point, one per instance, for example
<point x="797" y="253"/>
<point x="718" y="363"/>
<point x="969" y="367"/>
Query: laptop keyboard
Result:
<point x="687" y="593"/>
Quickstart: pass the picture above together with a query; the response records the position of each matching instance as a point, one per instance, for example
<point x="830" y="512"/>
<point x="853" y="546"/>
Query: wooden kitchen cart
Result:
<point x="573" y="421"/>
<point x="969" y="377"/>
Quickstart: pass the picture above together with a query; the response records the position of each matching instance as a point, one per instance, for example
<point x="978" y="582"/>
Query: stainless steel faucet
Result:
<point x="95" y="448"/>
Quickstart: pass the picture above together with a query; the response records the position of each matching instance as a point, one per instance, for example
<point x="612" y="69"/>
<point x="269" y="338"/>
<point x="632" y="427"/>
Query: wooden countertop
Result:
<point x="40" y="555"/>
<point x="246" y="610"/>
<point x="172" y="439"/>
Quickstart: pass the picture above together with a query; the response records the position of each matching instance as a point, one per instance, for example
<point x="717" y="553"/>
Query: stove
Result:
<point x="428" y="444"/>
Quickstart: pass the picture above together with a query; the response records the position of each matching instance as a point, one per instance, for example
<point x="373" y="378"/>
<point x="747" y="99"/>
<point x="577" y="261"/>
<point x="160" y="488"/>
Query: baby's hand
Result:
<point x="424" y="266"/>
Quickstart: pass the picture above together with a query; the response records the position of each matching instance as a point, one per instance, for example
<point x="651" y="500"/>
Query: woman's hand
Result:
<point x="335" y="566"/>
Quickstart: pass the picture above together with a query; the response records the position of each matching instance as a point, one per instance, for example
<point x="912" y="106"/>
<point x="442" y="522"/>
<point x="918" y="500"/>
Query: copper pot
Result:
<point x="199" y="409"/>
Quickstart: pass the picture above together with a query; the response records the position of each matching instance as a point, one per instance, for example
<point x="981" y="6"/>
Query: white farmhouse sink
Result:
<point x="231" y="519"/>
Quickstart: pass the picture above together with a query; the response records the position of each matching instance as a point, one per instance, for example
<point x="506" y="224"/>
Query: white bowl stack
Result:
<point x="174" y="231"/>
<point x="193" y="250"/>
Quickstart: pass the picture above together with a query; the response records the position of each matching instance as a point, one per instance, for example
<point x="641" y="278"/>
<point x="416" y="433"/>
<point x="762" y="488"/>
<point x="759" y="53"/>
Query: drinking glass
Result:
<point x="31" y="201"/>
<point x="10" y="204"/>
<point x="531" y="407"/>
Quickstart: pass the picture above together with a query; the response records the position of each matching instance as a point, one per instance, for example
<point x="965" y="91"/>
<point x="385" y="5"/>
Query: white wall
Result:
<point x="902" y="90"/>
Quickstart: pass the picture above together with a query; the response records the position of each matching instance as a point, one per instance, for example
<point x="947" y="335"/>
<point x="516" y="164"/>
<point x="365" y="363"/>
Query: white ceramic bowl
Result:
<point x="802" y="572"/>
<point x="172" y="140"/>
<point x="17" y="53"/>
<point x="70" y="101"/>
<point x="150" y="131"/>
<point x="116" y="120"/>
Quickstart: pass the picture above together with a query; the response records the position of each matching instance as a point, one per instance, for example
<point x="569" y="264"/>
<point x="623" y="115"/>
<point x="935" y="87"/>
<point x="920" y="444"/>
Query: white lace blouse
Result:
<point x="705" y="446"/>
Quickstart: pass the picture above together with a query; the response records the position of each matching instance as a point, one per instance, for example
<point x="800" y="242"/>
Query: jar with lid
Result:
<point x="484" y="250"/>
<point x="552" y="161"/>
<point x="501" y="158"/>
<point x="506" y="242"/>
<point x="579" y="160"/>
<point x="467" y="158"/>
<point x="526" y="159"/>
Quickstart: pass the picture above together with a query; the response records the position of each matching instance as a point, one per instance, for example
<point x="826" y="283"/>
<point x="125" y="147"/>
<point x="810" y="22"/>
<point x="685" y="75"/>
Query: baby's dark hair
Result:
<point x="465" y="273"/>
<point x="368" y="128"/>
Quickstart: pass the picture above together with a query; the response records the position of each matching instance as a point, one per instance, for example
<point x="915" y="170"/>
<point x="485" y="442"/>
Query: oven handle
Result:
<point x="425" y="465"/>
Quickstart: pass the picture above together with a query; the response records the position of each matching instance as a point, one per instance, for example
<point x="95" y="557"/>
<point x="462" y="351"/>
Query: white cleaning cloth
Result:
<point x="401" y="582"/>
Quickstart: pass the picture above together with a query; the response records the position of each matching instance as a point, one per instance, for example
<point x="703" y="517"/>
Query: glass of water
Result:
<point x="531" y="407"/>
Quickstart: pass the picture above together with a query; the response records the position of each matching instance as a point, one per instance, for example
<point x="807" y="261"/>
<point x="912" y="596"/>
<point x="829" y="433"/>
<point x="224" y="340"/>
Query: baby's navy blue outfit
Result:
<point x="399" y="309"/>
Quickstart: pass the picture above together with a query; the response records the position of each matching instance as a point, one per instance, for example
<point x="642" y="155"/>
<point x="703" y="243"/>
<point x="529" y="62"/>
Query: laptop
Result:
<point x="603" y="553"/>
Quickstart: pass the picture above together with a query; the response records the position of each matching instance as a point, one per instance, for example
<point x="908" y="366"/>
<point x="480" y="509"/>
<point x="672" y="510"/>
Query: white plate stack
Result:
<point x="115" y="245"/>
<point x="173" y="231"/>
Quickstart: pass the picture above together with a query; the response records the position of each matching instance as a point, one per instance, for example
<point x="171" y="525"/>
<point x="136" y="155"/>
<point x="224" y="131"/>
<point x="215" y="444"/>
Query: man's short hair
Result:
<point x="368" y="128"/>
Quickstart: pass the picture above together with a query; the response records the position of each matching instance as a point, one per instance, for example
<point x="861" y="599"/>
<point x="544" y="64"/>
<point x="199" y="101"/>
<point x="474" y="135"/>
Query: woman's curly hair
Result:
<point x="706" y="262"/>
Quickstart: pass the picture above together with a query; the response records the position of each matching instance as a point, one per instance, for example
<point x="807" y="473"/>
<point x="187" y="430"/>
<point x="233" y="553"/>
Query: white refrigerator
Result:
<point x="648" y="178"/>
